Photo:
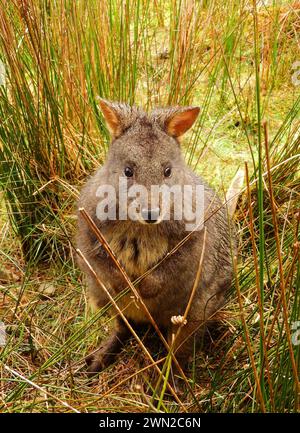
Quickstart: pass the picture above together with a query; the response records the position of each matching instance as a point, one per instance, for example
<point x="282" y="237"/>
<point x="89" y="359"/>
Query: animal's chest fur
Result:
<point x="137" y="250"/>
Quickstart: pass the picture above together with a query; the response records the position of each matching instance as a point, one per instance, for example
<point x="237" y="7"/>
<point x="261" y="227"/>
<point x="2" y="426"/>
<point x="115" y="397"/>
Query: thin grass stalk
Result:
<point x="248" y="342"/>
<point x="44" y="391"/>
<point x="160" y="361"/>
<point x="183" y="319"/>
<point x="260" y="305"/>
<point x="281" y="273"/>
<point x="260" y="189"/>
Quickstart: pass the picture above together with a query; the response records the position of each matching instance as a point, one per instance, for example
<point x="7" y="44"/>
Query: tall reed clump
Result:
<point x="232" y="59"/>
<point x="265" y="343"/>
<point x="58" y="59"/>
<point x="258" y="364"/>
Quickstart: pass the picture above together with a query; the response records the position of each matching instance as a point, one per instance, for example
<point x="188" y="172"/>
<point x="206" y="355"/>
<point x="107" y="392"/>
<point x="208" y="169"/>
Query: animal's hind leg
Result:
<point x="107" y="352"/>
<point x="190" y="337"/>
<point x="187" y="341"/>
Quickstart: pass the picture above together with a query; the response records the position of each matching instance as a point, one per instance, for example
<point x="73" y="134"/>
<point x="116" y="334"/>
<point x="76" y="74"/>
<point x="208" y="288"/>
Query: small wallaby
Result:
<point x="145" y="150"/>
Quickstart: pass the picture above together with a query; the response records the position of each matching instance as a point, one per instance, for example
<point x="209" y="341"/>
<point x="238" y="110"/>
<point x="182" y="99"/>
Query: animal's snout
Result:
<point x="150" y="215"/>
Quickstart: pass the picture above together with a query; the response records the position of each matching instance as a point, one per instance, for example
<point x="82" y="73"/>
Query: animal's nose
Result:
<point x="150" y="215"/>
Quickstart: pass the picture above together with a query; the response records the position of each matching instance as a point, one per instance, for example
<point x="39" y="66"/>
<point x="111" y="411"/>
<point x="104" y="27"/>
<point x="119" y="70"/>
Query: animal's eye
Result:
<point x="167" y="171"/>
<point x="128" y="172"/>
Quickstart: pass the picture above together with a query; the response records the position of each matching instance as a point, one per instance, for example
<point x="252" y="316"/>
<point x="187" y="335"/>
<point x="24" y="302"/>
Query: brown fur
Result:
<point x="148" y="143"/>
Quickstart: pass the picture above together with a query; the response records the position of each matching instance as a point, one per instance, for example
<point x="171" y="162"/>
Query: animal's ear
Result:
<point x="176" y="120"/>
<point x="182" y="121"/>
<point x="118" y="116"/>
<point x="110" y="115"/>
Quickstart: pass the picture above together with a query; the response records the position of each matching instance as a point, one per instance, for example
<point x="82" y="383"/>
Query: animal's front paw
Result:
<point x="98" y="361"/>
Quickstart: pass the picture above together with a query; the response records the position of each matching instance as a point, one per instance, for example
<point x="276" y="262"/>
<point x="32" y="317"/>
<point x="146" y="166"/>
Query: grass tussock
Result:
<point x="237" y="61"/>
